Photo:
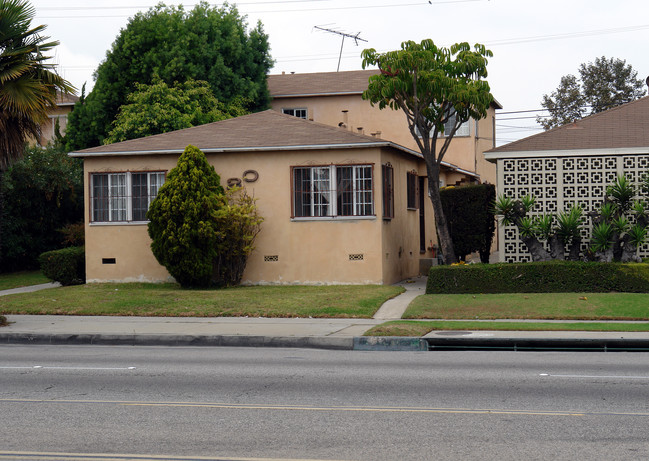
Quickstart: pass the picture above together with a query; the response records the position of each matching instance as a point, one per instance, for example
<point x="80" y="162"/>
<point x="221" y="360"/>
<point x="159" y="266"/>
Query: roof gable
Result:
<point x="625" y="126"/>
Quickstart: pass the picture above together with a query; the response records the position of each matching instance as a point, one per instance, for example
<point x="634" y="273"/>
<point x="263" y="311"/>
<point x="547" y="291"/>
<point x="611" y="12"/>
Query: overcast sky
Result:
<point x="534" y="42"/>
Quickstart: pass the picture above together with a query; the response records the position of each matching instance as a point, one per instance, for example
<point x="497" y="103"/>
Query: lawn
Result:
<point x="169" y="300"/>
<point x="421" y="328"/>
<point x="21" y="279"/>
<point x="570" y="306"/>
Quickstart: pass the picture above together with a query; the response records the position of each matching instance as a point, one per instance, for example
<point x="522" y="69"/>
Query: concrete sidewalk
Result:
<point x="295" y="332"/>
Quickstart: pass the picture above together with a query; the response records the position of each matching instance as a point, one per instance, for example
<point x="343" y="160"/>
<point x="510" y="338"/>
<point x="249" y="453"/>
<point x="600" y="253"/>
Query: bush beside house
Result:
<point x="470" y="216"/>
<point x="66" y="266"/>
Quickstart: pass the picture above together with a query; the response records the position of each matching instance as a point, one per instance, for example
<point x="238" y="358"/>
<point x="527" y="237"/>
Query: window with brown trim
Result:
<point x="123" y="197"/>
<point x="387" y="174"/>
<point x="333" y="190"/>
<point x="412" y="190"/>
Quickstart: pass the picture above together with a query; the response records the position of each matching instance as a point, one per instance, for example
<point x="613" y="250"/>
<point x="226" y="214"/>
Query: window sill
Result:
<point x="119" y="223"/>
<point x="334" y="218"/>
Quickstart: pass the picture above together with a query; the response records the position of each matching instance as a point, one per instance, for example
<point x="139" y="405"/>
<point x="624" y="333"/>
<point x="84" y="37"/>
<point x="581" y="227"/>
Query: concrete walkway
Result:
<point x="29" y="289"/>
<point x="394" y="308"/>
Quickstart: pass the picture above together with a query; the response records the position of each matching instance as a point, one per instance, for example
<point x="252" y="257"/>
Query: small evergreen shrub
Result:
<point x="66" y="266"/>
<point x="540" y="277"/>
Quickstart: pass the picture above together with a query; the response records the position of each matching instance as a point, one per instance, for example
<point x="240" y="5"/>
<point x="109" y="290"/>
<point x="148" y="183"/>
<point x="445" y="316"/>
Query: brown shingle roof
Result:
<point x="320" y="83"/>
<point x="625" y="126"/>
<point x="267" y="130"/>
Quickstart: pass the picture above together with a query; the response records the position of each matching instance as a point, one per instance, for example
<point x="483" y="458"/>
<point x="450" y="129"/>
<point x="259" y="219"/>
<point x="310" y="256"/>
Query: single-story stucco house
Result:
<point x="338" y="206"/>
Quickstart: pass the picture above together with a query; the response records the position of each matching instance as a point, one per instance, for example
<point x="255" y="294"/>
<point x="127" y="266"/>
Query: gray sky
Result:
<point x="534" y="42"/>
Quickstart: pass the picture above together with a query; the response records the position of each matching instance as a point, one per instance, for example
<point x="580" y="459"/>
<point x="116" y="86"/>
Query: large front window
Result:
<point x="334" y="190"/>
<point x="123" y="197"/>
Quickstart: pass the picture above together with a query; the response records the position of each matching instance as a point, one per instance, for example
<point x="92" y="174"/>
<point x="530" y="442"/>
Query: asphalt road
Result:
<point x="224" y="403"/>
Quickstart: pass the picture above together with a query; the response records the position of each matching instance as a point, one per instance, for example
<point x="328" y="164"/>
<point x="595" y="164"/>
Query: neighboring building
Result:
<point x="64" y="105"/>
<point x="334" y="98"/>
<point x="573" y="164"/>
<point x="338" y="207"/>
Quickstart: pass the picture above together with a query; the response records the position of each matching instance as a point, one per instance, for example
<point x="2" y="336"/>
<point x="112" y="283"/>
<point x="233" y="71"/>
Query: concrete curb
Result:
<point x="311" y="342"/>
<point x="389" y="343"/>
<point x="357" y="343"/>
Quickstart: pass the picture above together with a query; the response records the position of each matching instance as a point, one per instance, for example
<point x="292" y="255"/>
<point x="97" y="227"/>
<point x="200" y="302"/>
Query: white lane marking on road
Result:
<point x="595" y="376"/>
<point x="37" y="367"/>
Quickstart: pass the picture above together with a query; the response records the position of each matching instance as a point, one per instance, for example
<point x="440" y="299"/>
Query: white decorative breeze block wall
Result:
<point x="559" y="182"/>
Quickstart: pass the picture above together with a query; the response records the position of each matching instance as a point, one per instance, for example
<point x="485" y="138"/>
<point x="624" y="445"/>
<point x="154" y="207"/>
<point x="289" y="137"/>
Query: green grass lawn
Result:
<point x="570" y="306"/>
<point x="421" y="328"/>
<point x="141" y="299"/>
<point x="21" y="279"/>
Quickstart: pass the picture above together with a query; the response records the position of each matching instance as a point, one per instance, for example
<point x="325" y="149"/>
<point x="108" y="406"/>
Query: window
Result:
<point x="388" y="191"/>
<point x="123" y="197"/>
<point x="299" y="113"/>
<point x="463" y="130"/>
<point x="412" y="190"/>
<point x="335" y="190"/>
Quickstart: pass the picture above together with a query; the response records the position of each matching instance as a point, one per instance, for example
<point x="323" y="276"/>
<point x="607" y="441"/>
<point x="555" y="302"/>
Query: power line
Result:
<point x="331" y="8"/>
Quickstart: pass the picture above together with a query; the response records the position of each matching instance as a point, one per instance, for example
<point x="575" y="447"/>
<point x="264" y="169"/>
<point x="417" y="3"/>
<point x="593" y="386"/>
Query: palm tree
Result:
<point x="28" y="84"/>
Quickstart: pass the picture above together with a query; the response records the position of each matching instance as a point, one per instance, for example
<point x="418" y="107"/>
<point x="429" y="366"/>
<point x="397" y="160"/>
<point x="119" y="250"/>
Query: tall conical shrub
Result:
<point x="182" y="220"/>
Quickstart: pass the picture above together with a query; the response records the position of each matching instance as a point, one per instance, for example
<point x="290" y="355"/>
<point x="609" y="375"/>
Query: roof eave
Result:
<point x="492" y="156"/>
<point x="246" y="149"/>
<point x="308" y="95"/>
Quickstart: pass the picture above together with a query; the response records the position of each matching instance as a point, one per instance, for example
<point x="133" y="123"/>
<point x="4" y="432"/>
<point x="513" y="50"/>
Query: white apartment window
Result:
<point x="334" y="190"/>
<point x="299" y="113"/>
<point x="463" y="130"/>
<point x="123" y="197"/>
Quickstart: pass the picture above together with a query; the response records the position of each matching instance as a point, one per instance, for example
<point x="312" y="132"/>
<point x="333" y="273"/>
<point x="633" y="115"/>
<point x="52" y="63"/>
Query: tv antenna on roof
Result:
<point x="343" y="34"/>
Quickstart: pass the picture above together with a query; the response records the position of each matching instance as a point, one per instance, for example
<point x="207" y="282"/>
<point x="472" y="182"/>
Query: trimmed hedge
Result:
<point x="66" y="266"/>
<point x="540" y="277"/>
<point x="470" y="216"/>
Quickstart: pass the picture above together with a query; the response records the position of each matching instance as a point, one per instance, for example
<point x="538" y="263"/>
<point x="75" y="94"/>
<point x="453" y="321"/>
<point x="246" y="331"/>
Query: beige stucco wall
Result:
<point x="400" y="243"/>
<point x="308" y="252"/>
<point x="465" y="152"/>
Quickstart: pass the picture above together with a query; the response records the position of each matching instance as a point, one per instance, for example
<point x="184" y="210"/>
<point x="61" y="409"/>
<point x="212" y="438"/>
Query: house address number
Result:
<point x="247" y="176"/>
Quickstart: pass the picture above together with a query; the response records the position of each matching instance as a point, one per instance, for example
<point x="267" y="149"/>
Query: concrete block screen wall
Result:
<point x="558" y="182"/>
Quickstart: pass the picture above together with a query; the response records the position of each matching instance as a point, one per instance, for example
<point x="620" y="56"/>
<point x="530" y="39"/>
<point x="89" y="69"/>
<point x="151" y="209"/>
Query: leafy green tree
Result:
<point x="603" y="84"/>
<point x="43" y="193"/>
<point x="182" y="220"/>
<point x="158" y="108"/>
<point x="432" y="85"/>
<point x="28" y="85"/>
<point x="206" y="43"/>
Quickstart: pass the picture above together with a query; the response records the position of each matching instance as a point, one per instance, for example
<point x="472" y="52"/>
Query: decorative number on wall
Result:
<point x="234" y="182"/>
<point x="250" y="176"/>
<point x="247" y="176"/>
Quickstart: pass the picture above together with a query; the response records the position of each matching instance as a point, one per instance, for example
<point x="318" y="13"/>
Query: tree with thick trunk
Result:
<point x="432" y="86"/>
